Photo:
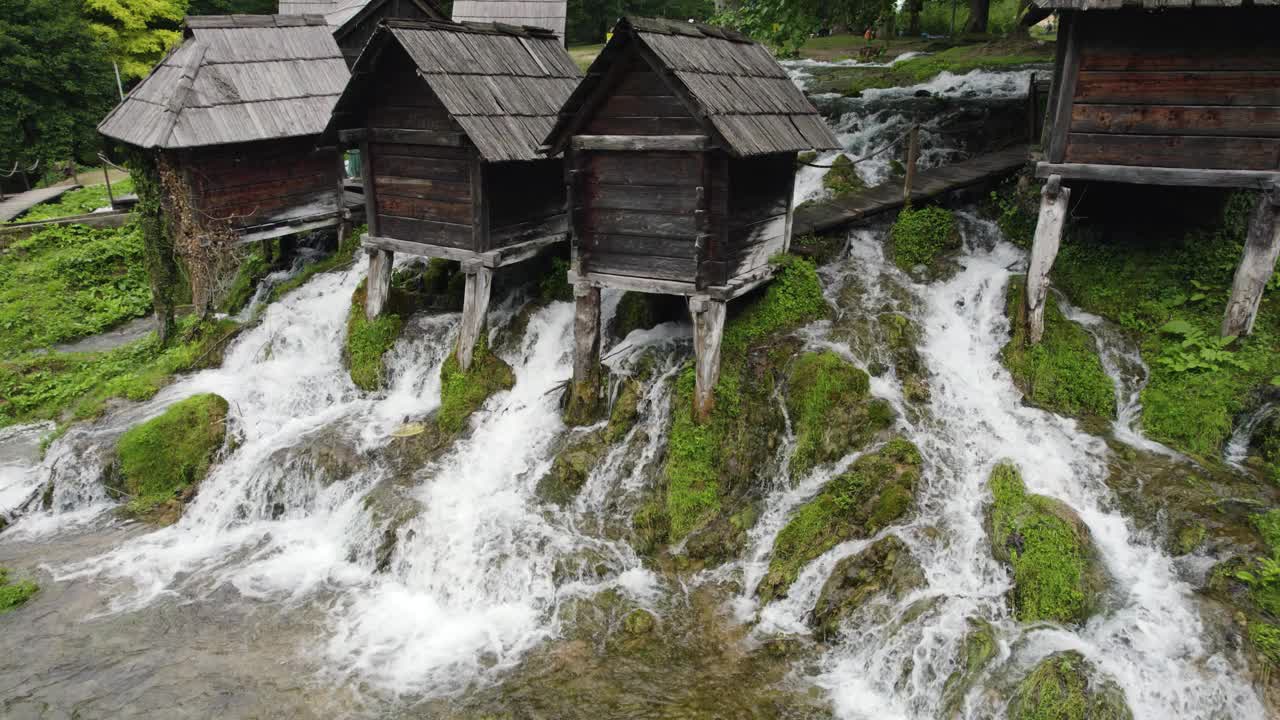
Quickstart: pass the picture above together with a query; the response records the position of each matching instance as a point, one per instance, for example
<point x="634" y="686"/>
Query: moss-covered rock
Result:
<point x="710" y="465"/>
<point x="368" y="341"/>
<point x="1057" y="574"/>
<point x="886" y="567"/>
<point x="13" y="594"/>
<point x="921" y="236"/>
<point x="160" y="463"/>
<point x="976" y="653"/>
<point x="843" y="179"/>
<point x="1063" y="372"/>
<point x="877" y="490"/>
<point x="1059" y="688"/>
<point x="462" y="393"/>
<point x="832" y="413"/>
<point x="571" y="468"/>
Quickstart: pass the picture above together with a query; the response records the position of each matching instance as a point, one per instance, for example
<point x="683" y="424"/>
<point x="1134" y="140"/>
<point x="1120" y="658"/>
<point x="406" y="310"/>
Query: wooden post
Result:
<point x="913" y="157"/>
<point x="475" y="310"/>
<point x="1261" y="250"/>
<point x="584" y="394"/>
<point x="111" y="198"/>
<point x="1033" y="106"/>
<point x="1044" y="250"/>
<point x="708" y="329"/>
<point x="379" y="286"/>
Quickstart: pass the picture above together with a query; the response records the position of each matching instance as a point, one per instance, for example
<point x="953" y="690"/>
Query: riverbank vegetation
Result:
<point x="14" y="593"/>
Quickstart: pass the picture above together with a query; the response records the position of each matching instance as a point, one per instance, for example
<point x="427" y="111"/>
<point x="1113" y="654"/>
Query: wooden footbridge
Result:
<point x="11" y="206"/>
<point x="826" y="215"/>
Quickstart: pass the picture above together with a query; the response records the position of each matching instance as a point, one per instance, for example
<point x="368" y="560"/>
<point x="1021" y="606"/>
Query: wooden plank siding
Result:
<point x="1181" y="89"/>
<point x="250" y="183"/>
<point x="641" y="104"/>
<point x="757" y="227"/>
<point x="526" y="200"/>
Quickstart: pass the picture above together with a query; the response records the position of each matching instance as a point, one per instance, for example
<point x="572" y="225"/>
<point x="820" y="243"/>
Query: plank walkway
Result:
<point x="14" y="205"/>
<point x="826" y="215"/>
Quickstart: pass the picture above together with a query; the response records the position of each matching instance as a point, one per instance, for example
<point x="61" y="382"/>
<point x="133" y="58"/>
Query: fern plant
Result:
<point x="1197" y="351"/>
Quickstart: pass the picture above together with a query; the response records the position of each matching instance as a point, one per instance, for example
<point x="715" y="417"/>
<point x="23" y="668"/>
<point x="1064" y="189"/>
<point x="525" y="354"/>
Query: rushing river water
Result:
<point x="272" y="596"/>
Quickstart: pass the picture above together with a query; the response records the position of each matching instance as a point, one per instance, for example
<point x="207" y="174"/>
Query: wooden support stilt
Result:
<point x="584" y="393"/>
<point x="1261" y="250"/>
<point x="379" y="285"/>
<point x="708" y="329"/>
<point x="913" y="159"/>
<point x="1048" y="238"/>
<point x="475" y="310"/>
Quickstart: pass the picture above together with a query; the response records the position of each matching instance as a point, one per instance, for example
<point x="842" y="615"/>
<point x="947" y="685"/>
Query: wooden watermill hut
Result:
<point x="681" y="148"/>
<point x="234" y="114"/>
<point x="448" y="118"/>
<point x="1164" y="92"/>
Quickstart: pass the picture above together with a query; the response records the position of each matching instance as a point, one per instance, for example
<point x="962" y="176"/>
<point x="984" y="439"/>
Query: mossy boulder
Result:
<point x="463" y="392"/>
<point x="571" y="468"/>
<point x="13" y="594"/>
<point x="710" y="466"/>
<point x="1057" y="574"/>
<point x="877" y="490"/>
<point x="1063" y="372"/>
<point x="832" y="413"/>
<point x="921" y="236"/>
<point x="368" y="341"/>
<point x="842" y="179"/>
<point x="977" y="651"/>
<point x="160" y="463"/>
<point x="1060" y="688"/>
<point x="885" y="568"/>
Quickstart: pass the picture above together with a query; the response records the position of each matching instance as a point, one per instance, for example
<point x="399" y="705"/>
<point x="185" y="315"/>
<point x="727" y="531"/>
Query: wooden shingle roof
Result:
<point x="364" y="9"/>
<point x="335" y="12"/>
<point x="235" y="78"/>
<point x="502" y="84"/>
<point x="732" y="84"/>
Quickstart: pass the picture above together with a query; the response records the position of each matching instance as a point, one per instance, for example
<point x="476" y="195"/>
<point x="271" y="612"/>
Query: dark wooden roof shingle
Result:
<point x="502" y="84"/>
<point x="235" y="78"/>
<point x="730" y="82"/>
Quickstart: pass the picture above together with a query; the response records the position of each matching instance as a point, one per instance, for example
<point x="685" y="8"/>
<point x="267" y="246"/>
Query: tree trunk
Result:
<point x="913" y="22"/>
<point x="979" y="15"/>
<point x="158" y="253"/>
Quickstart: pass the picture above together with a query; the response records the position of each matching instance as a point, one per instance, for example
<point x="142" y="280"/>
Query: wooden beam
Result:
<point x="419" y="249"/>
<point x="1186" y="177"/>
<point x="642" y="143"/>
<point x="354" y="136"/>
<point x="370" y="195"/>
<point x="708" y="330"/>
<point x="378" y="288"/>
<point x="411" y="137"/>
<point x="475" y="310"/>
<point x="584" y="392"/>
<point x="479" y="205"/>
<point x="1065" y="91"/>
<point x="1044" y="249"/>
<point x="1261" y="251"/>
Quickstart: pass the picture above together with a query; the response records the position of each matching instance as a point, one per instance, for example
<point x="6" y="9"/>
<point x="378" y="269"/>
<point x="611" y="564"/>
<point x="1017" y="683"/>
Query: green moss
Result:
<point x="1063" y="372"/>
<point x="253" y="268"/>
<point x="554" y="286"/>
<point x="831" y="413"/>
<point x="976" y="653"/>
<point x="13" y="594"/>
<point x="462" y="393"/>
<point x="919" y="236"/>
<point x="67" y="386"/>
<point x="1015" y="208"/>
<point x="636" y="311"/>
<point x="887" y="567"/>
<point x="842" y="179"/>
<point x="368" y="341"/>
<point x="1054" y="572"/>
<point x="877" y="490"/>
<point x="168" y="455"/>
<point x="698" y="452"/>
<point x="1059" y="689"/>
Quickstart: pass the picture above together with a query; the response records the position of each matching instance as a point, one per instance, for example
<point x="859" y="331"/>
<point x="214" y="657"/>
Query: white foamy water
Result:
<point x="1237" y="448"/>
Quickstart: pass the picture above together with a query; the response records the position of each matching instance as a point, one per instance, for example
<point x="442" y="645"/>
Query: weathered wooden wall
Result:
<point x="1182" y="88"/>
<point x="354" y="40"/>
<point x="525" y="200"/>
<point x="423" y="193"/>
<point x="641" y="104"/>
<point x="253" y="183"/>
<point x="759" y="196"/>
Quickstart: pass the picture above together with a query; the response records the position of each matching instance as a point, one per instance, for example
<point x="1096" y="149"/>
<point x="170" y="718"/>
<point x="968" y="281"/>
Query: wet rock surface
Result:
<point x="885" y="568"/>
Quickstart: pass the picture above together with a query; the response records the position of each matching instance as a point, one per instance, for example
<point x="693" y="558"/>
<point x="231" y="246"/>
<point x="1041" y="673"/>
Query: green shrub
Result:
<point x="920" y="235"/>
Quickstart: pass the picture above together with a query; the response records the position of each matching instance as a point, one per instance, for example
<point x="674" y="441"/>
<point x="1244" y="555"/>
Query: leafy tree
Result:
<point x="232" y="7"/>
<point x="137" y="32"/>
<point x="589" y="20"/>
<point x="55" y="82"/>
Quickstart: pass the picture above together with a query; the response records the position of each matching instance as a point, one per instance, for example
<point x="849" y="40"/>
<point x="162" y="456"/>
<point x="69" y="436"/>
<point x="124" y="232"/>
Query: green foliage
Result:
<point x="1047" y="547"/>
<point x="1056" y="689"/>
<point x="67" y="282"/>
<point x="793" y="297"/>
<point x="253" y="268"/>
<point x="920" y="235"/>
<point x="77" y="202"/>
<point x="63" y="386"/>
<point x="137" y="32"/>
<point x="589" y="20"/>
<point x="1266" y="638"/>
<point x="341" y="258"/>
<point x="164" y="456"/>
<point x="1196" y="350"/>
<point x="875" y="491"/>
<point x="462" y="393"/>
<point x="54" y="83"/>
<point x="843" y="177"/>
<point x="367" y="342"/>
<point x="554" y="286"/>
<point x="1016" y="212"/>
<point x="1144" y="279"/>
<point x="936" y="17"/>
<point x="13" y="594"/>
<point x="785" y="25"/>
<point x="831" y="413"/>
<point x="1062" y="373"/>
